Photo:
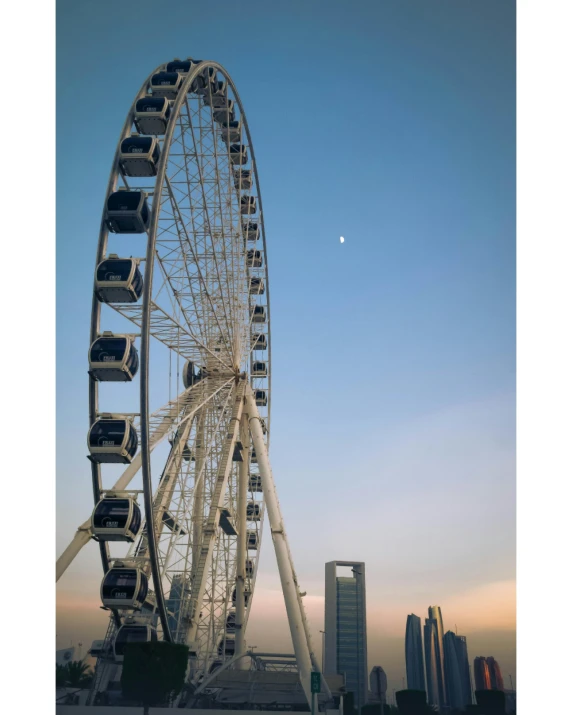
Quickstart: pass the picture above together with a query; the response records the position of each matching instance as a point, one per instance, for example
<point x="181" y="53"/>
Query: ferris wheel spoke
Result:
<point x="170" y="332"/>
<point x="210" y="232"/>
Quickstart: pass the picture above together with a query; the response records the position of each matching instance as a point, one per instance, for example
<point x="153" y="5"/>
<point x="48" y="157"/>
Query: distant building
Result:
<point x="457" y="675"/>
<point x="495" y="674"/>
<point x="65" y="656"/>
<point x="482" y="675"/>
<point x="414" y="653"/>
<point x="510" y="701"/>
<point x="345" y="626"/>
<point x="435" y="613"/>
<point x="431" y="656"/>
<point x="378" y="685"/>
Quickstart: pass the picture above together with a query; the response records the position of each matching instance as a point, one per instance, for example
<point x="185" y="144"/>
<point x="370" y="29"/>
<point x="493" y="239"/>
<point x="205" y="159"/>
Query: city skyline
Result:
<point x="445" y="434"/>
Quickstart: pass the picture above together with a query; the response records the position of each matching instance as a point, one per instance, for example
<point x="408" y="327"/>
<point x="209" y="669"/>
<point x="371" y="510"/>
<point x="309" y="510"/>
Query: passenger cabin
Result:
<point x="249" y="568"/>
<point x="253" y="511"/>
<point x="242" y="179"/>
<point x="118" y="280"/>
<point x="180" y="66"/>
<point x="254" y="258"/>
<point x="116" y="519"/>
<point x="113" y="358"/>
<point x="215" y="665"/>
<point x="226" y="647"/>
<point x="200" y="85"/>
<point x="253" y="457"/>
<point x="127" y="212"/>
<point x="166" y="84"/>
<point x="231" y="131"/>
<point x="112" y="440"/>
<point x="124" y="588"/>
<point x="256" y="286"/>
<point x="217" y="96"/>
<point x="224" y="115"/>
<point x="238" y="154"/>
<point x="246" y="598"/>
<point x="259" y="369"/>
<point x="132" y="633"/>
<point x="251" y="540"/>
<point x="152" y="115"/>
<point x="255" y="483"/>
<point x="259" y="341"/>
<point x="258" y="315"/>
<point x="139" y="156"/>
<point x="261" y="398"/>
<point x="231" y="622"/>
<point x="247" y="205"/>
<point x="187" y="455"/>
<point x="191" y="375"/>
<point x="251" y="230"/>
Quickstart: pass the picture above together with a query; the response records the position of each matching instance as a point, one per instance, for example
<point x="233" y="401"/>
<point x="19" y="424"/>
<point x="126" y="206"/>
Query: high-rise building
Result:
<point x="378" y="685"/>
<point x="495" y="674"/>
<point x="482" y="675"/>
<point x="457" y="675"/>
<point x="414" y="653"/>
<point x="345" y="625"/>
<point x="435" y="613"/>
<point x="431" y="656"/>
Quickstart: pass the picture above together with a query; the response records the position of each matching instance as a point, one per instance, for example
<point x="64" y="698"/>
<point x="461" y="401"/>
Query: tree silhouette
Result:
<point x="490" y="702"/>
<point x="153" y="672"/>
<point x="75" y="674"/>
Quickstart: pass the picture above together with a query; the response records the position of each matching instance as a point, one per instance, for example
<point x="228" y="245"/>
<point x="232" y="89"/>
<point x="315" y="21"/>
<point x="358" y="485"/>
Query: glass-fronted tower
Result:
<point x="435" y="614"/>
<point x="414" y="653"/>
<point x="457" y="676"/>
<point x="345" y="625"/>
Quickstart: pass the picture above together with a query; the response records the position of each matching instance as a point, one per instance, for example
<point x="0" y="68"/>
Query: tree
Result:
<point x="79" y="674"/>
<point x="153" y="672"/>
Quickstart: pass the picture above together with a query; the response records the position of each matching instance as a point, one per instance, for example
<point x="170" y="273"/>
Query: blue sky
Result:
<point x="392" y="124"/>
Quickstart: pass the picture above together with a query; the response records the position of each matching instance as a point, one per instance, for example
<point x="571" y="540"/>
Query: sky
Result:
<point x="393" y="405"/>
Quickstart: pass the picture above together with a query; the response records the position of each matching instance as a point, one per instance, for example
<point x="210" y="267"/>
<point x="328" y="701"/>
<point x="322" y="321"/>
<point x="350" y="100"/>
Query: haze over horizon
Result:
<point x="393" y="422"/>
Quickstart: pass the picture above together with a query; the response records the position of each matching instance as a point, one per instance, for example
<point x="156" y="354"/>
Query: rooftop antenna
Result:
<point x="511" y="685"/>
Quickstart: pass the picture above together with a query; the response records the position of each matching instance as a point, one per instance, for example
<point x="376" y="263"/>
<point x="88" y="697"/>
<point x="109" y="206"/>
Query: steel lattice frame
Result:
<point x="196" y="305"/>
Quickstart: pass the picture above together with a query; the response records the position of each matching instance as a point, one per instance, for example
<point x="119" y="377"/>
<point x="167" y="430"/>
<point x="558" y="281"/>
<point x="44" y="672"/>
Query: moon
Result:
<point x="341" y="239"/>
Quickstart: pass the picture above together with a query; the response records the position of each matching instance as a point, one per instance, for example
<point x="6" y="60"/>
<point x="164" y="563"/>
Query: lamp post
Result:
<point x="323" y="650"/>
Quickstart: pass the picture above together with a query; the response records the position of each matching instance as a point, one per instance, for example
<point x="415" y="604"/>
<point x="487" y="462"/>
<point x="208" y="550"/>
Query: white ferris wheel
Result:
<point x="180" y="380"/>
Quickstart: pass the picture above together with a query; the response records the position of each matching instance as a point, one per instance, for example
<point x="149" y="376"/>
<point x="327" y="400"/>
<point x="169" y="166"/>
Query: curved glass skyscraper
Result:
<point x="435" y="614"/>
<point x="414" y="653"/>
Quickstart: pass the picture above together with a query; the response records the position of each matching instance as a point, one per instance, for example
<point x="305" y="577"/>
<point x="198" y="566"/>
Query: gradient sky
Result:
<point x="391" y="123"/>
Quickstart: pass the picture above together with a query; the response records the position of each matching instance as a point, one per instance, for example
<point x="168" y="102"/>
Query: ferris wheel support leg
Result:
<point x="81" y="538"/>
<point x="240" y="638"/>
<point x="292" y="598"/>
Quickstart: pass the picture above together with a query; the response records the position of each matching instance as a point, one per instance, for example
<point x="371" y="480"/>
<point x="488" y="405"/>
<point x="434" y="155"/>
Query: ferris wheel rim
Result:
<point x="161" y="178"/>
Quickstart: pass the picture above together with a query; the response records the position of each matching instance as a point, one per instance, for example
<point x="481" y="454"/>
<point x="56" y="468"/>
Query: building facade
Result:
<point x="431" y="656"/>
<point x="457" y="675"/>
<point x="435" y="614"/>
<point x="482" y="675"/>
<point x="497" y="682"/>
<point x="345" y="626"/>
<point x="378" y="685"/>
<point x="414" y="653"/>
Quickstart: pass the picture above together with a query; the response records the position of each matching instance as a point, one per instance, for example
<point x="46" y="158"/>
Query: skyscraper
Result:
<point x="435" y="613"/>
<point x="431" y="655"/>
<point x="414" y="653"/>
<point x="495" y="674"/>
<point x="482" y="675"/>
<point x="457" y="676"/>
<point x="378" y="685"/>
<point x="345" y="621"/>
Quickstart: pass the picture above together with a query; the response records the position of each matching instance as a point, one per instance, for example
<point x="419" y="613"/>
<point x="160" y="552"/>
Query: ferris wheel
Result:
<point x="180" y="378"/>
